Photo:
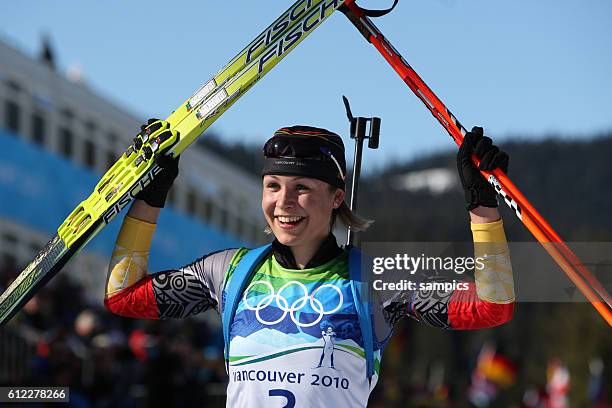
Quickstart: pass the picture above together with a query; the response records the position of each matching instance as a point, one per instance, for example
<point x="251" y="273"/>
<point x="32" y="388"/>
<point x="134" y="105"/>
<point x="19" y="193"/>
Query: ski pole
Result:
<point x="358" y="128"/>
<point x="533" y="221"/>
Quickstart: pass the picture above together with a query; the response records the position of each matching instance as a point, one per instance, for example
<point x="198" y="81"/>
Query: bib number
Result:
<point x="284" y="393"/>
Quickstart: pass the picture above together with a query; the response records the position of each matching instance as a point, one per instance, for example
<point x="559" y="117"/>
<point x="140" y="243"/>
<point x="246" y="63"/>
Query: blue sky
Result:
<point x="516" y="67"/>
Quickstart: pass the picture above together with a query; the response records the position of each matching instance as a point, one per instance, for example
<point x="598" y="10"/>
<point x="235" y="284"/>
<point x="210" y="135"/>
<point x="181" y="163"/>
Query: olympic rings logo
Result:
<point x="296" y="306"/>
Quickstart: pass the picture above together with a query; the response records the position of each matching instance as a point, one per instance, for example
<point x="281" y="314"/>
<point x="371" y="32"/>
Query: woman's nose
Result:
<point x="286" y="198"/>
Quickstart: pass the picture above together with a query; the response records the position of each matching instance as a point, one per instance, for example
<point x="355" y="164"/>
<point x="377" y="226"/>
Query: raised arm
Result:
<point x="130" y="290"/>
<point x="489" y="301"/>
<point x="486" y="302"/>
<point x="128" y="286"/>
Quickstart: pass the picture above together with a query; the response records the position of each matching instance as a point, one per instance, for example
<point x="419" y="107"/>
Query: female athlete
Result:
<point x="295" y="338"/>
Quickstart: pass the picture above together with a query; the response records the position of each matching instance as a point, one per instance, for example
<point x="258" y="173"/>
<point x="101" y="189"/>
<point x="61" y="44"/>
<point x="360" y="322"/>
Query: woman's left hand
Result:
<point x="478" y="192"/>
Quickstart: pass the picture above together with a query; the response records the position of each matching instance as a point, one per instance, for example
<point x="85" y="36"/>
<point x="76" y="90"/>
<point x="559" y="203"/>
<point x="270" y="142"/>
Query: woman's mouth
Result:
<point x="289" y="222"/>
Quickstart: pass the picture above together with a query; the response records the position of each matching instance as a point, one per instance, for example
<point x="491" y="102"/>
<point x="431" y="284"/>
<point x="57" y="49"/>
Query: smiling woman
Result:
<point x="298" y="211"/>
<point x="296" y="329"/>
<point x="303" y="188"/>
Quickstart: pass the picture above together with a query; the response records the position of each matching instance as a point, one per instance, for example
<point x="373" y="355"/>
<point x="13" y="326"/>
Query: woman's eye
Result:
<point x="302" y="187"/>
<point x="272" y="185"/>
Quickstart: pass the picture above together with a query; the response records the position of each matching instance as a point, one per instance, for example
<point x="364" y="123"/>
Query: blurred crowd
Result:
<point x="60" y="339"/>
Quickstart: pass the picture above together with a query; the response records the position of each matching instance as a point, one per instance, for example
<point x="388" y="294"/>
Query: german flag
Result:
<point x="496" y="368"/>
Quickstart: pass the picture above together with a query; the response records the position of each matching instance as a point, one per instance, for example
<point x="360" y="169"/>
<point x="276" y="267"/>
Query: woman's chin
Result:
<point x="287" y="239"/>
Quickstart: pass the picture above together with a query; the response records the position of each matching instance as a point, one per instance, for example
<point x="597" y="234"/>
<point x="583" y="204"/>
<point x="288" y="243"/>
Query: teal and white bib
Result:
<point x="295" y="340"/>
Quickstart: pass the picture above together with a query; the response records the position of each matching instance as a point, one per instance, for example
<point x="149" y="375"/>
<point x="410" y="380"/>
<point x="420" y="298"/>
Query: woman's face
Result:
<point x="298" y="209"/>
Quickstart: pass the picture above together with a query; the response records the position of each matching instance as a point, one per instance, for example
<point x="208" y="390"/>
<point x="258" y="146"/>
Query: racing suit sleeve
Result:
<point x="132" y="292"/>
<point x="486" y="302"/>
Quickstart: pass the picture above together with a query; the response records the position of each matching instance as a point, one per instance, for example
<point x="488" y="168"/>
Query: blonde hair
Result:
<point x="349" y="218"/>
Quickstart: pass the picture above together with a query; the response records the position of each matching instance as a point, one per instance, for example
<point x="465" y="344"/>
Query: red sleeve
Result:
<point x="135" y="301"/>
<point x="466" y="311"/>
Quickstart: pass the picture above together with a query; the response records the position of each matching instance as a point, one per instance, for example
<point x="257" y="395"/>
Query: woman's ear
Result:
<point x="338" y="197"/>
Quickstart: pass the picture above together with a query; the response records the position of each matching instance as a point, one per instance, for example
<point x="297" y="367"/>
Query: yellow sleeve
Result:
<point x="131" y="255"/>
<point x="493" y="274"/>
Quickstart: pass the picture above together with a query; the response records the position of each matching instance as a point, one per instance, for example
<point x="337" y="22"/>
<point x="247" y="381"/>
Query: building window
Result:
<point x="90" y="134"/>
<point x="9" y="239"/>
<point x="112" y="137"/>
<point x="90" y="127"/>
<point x="207" y="209"/>
<point x="241" y="228"/>
<point x="89" y="156"/>
<point x="111" y="158"/>
<point x="11" y="116"/>
<point x="13" y="86"/>
<point x="9" y="265"/>
<point x="171" y="196"/>
<point x="67" y="114"/>
<point x="35" y="247"/>
<point x="38" y="128"/>
<point x="191" y="202"/>
<point x="223" y="218"/>
<point x="66" y="139"/>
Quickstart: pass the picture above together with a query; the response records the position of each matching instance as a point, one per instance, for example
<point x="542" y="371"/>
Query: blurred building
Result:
<point x="59" y="136"/>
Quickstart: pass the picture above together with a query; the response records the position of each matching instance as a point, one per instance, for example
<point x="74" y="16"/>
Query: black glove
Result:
<point x="156" y="192"/>
<point x="477" y="190"/>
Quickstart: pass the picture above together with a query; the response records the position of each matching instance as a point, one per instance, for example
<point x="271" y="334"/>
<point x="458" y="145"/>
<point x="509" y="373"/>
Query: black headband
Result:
<point x="308" y="152"/>
<point x="326" y="171"/>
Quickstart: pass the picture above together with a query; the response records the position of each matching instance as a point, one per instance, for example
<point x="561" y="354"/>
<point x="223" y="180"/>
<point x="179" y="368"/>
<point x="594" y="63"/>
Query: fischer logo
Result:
<point x="278" y="26"/>
<point x="314" y="17"/>
<point x="509" y="200"/>
<point x="130" y="195"/>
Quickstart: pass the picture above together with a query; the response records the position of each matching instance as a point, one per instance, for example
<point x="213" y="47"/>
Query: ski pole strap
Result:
<point x="235" y="287"/>
<point x="359" y="287"/>
<point x="379" y="13"/>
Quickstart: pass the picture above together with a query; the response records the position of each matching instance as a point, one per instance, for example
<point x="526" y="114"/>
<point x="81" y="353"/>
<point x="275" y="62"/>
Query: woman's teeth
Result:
<point x="289" y="219"/>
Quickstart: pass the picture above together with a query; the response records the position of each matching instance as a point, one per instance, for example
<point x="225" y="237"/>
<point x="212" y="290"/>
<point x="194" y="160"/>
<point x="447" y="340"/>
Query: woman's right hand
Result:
<point x="156" y="192"/>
